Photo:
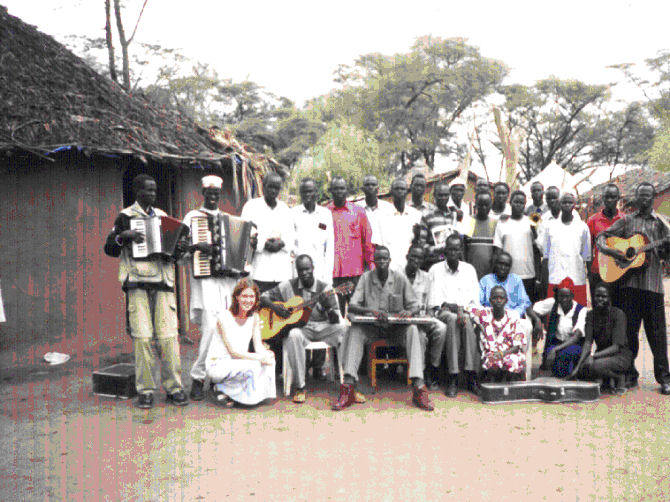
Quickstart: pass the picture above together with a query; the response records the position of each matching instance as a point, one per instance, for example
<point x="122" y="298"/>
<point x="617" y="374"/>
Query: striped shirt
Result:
<point x="479" y="250"/>
<point x="650" y="276"/>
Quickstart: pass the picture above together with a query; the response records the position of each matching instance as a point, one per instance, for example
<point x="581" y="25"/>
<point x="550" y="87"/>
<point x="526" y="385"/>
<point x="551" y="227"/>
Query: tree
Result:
<point x="556" y="119"/>
<point x="344" y="150"/>
<point x="659" y="154"/>
<point x="623" y="137"/>
<point x="123" y="40"/>
<point x="657" y="93"/>
<point x="192" y="93"/>
<point x="271" y="124"/>
<point x="411" y="101"/>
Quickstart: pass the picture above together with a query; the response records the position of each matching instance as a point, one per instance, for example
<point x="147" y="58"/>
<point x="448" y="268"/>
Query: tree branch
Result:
<point x="138" y="21"/>
<point x="124" y="45"/>
<point x="110" y="41"/>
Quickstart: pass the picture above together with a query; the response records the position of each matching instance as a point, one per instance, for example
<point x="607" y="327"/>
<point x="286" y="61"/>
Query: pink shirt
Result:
<point x="353" y="247"/>
<point x="597" y="223"/>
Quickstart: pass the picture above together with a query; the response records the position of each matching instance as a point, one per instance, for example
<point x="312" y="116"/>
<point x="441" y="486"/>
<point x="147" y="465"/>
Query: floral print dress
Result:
<point x="499" y="336"/>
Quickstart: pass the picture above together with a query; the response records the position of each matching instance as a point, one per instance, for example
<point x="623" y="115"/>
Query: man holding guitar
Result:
<point x="642" y="296"/>
<point x="323" y="322"/>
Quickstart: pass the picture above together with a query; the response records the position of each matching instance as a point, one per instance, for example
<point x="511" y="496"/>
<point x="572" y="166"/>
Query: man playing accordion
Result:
<point x="210" y="295"/>
<point x="150" y="298"/>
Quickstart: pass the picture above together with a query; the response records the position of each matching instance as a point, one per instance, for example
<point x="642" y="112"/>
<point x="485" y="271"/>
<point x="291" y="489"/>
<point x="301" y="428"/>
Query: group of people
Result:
<point x="486" y="282"/>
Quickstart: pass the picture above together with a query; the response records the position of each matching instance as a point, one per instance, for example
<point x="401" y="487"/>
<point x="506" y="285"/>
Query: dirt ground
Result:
<point x="61" y="442"/>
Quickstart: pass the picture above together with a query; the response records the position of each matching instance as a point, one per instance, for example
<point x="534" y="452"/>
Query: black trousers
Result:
<point x="264" y="286"/>
<point x="529" y="286"/>
<point x="607" y="367"/>
<point x="642" y="306"/>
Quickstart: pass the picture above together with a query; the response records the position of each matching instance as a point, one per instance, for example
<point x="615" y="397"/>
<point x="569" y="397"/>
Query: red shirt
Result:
<point x="353" y="248"/>
<point x="597" y="223"/>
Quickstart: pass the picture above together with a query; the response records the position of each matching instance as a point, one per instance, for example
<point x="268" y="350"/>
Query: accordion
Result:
<point x="161" y="234"/>
<point x="230" y="237"/>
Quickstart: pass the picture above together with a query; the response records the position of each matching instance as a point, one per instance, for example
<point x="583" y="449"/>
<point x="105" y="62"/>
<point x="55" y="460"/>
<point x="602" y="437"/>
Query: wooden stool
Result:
<point x="374" y="360"/>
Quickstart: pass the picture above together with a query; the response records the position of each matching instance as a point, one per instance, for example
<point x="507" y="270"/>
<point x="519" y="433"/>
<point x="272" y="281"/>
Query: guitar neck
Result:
<point x="319" y="297"/>
<point x="650" y="246"/>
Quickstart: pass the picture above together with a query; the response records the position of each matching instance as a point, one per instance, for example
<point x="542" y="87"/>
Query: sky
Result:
<point x="293" y="47"/>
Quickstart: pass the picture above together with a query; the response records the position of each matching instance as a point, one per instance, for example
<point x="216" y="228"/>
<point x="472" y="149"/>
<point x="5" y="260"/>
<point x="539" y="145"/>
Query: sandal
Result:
<point x="221" y="399"/>
<point x="300" y="396"/>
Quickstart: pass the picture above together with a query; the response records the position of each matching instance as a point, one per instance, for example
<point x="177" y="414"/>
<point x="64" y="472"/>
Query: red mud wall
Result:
<point x="60" y="290"/>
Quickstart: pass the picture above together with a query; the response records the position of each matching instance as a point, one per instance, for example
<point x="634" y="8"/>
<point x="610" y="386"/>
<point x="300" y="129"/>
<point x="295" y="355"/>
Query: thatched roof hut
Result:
<point x="627" y="183"/>
<point x="71" y="141"/>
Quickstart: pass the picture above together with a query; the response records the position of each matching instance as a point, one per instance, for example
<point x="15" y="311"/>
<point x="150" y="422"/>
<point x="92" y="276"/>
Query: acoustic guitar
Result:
<point x="273" y="326"/>
<point x="634" y="248"/>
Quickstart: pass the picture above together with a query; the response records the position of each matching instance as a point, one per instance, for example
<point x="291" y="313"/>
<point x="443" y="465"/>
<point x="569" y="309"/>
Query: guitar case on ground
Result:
<point x="547" y="389"/>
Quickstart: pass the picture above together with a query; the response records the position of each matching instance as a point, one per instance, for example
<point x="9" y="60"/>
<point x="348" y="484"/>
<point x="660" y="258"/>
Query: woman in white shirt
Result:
<point x="237" y="374"/>
<point x="565" y="331"/>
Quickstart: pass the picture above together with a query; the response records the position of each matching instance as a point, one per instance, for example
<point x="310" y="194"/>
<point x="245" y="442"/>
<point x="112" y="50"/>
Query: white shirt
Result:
<point x="374" y="216"/>
<point x="544" y="221"/>
<point x="460" y="287"/>
<point x="566" y="247"/>
<point x="277" y="223"/>
<point x="507" y="211"/>
<point x="314" y="237"/>
<point x="516" y="237"/>
<point x="564" y="329"/>
<point x="397" y="233"/>
<point x="464" y="224"/>
<point x="421" y="287"/>
<point x="463" y="207"/>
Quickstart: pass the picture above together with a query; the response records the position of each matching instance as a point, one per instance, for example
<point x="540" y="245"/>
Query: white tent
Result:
<point x="596" y="175"/>
<point x="580" y="183"/>
<point x="553" y="175"/>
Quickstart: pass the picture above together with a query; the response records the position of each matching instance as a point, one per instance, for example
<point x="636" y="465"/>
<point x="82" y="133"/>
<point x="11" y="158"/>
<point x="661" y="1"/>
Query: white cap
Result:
<point x="212" y="181"/>
<point x="457" y="181"/>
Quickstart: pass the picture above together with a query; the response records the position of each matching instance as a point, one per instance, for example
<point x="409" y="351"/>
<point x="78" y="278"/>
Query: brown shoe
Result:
<point x="300" y="396"/>
<point x="359" y="398"/>
<point x="421" y="399"/>
<point x="346" y="398"/>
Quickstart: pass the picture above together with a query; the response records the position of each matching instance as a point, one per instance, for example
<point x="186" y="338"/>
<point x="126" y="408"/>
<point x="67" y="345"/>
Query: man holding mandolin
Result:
<point x="641" y="296"/>
<point x="321" y="323"/>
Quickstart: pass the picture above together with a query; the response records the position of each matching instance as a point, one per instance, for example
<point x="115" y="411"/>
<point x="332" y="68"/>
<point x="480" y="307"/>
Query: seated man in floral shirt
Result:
<point x="502" y="339"/>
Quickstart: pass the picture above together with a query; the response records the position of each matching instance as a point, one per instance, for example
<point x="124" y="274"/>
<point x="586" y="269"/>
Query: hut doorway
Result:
<point x="164" y="180"/>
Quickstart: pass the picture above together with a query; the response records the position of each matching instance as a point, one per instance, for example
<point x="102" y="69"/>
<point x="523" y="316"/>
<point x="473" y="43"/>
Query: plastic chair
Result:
<point x="287" y="371"/>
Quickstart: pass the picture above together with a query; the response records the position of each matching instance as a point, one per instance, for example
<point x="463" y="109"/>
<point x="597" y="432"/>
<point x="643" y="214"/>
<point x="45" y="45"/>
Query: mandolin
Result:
<point x="634" y="248"/>
<point x="273" y="326"/>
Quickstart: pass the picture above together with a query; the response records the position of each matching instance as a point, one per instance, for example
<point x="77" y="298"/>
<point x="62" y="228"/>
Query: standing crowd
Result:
<point x="484" y="285"/>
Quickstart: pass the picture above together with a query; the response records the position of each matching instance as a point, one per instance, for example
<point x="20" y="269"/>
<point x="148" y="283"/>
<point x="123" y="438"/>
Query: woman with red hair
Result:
<point x="237" y="374"/>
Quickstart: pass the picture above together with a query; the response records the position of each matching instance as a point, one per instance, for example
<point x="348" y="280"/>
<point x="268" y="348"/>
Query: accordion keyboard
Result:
<point x="200" y="233"/>
<point x="140" y="249"/>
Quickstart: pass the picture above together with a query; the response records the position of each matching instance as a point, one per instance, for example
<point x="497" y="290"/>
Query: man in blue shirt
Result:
<point x="517" y="299"/>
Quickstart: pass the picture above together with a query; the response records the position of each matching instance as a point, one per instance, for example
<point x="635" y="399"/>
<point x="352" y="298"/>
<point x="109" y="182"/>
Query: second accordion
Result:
<point x="230" y="238"/>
